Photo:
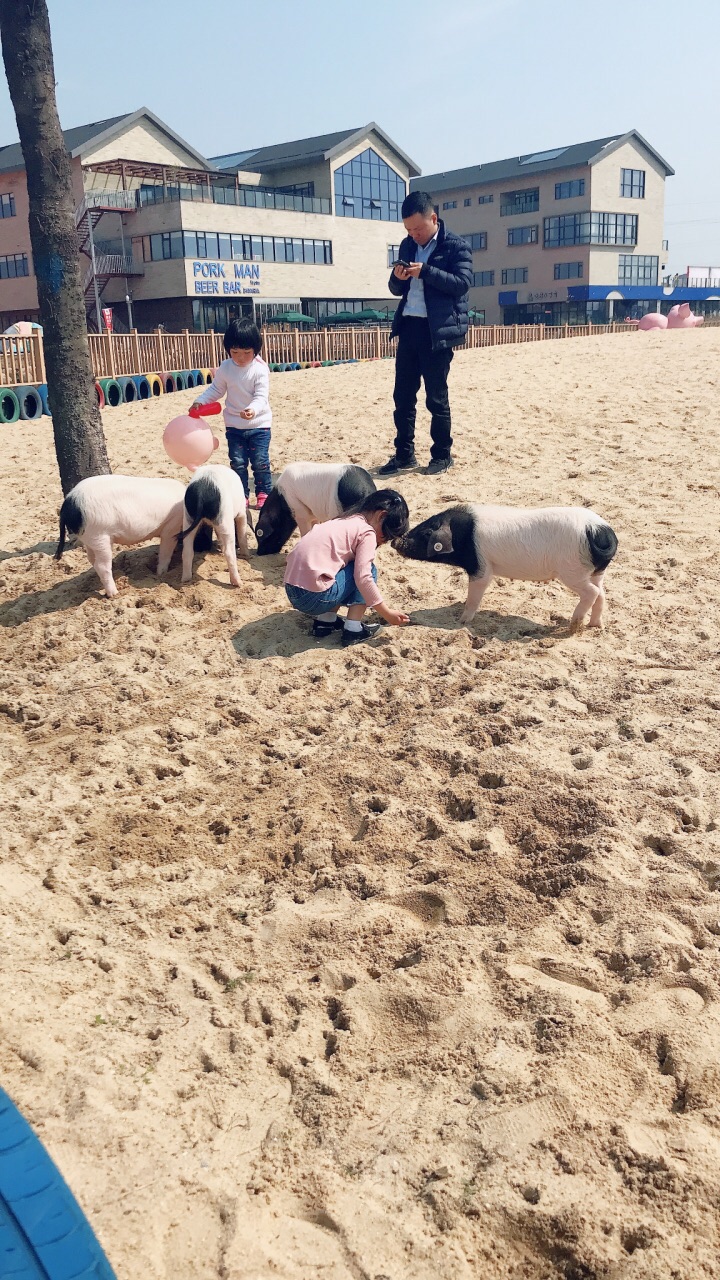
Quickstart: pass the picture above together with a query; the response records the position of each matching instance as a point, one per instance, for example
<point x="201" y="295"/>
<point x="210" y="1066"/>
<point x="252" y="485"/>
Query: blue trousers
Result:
<point x="253" y="447"/>
<point x="342" y="591"/>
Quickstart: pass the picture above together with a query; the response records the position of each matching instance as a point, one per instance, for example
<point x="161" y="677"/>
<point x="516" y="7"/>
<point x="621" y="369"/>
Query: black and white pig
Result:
<point x="308" y="493"/>
<point x="103" y="510"/>
<point x="534" y="544"/>
<point x="215" y="494"/>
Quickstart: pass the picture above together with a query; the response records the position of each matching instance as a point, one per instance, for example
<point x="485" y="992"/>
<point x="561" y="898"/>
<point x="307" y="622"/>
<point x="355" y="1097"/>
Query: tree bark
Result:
<point x="77" y="425"/>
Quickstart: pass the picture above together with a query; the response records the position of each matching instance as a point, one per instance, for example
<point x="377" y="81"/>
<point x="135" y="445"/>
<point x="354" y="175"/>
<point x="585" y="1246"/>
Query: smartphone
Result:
<point x="400" y="263"/>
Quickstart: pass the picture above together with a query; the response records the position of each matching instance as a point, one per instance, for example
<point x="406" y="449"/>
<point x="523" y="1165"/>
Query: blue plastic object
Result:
<point x="44" y="1235"/>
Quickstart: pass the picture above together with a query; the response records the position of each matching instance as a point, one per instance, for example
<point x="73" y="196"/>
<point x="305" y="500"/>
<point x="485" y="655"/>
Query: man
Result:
<point x="432" y="278"/>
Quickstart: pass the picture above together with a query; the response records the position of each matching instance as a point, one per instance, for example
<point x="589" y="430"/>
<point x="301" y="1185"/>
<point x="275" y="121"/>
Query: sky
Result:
<point x="453" y="83"/>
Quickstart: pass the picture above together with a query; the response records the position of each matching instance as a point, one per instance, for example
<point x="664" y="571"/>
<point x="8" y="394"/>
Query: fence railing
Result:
<point x="116" y="355"/>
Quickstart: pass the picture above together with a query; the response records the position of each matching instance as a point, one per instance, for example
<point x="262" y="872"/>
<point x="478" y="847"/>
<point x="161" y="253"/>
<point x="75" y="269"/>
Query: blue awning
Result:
<point x="639" y="293"/>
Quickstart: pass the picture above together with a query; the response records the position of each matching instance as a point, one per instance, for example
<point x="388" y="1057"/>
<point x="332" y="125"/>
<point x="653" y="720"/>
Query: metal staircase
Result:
<point x="102" y="267"/>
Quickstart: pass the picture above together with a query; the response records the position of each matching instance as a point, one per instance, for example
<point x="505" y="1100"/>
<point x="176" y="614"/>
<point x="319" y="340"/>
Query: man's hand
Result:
<point x="413" y="270"/>
<point x="247" y="413"/>
<point x="400" y="271"/>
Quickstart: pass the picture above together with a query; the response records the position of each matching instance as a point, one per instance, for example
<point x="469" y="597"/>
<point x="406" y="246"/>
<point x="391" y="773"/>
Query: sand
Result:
<point x="394" y="963"/>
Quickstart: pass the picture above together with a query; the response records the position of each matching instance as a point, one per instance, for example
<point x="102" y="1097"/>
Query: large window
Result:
<point x="568" y="270"/>
<point x="228" y="248"/>
<point x="334" y="306"/>
<point x="590" y="228"/>
<point x="632" y="183"/>
<point x="566" y="190"/>
<point x="637" y="268"/>
<point x="482" y="279"/>
<point x="485" y="199"/>
<point x="290" y="199"/>
<point x="450" y="204"/>
<point x="520" y="201"/>
<point x="522" y="235"/>
<point x="514" y="275"/>
<point x="15" y="264"/>
<point x="7" y="206"/>
<point x="477" y="241"/>
<point x="367" y="187"/>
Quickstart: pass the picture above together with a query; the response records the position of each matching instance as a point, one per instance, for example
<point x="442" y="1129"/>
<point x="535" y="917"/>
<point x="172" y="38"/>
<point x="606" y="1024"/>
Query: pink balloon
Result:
<point x="653" y="320"/>
<point x="189" y="442"/>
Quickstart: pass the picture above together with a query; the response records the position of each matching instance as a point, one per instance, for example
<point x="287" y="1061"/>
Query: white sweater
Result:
<point x="247" y="388"/>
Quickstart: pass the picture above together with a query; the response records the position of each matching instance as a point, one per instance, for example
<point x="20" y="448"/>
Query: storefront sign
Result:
<point x="107" y="318"/>
<point x="226" y="277"/>
<point x="542" y="295"/>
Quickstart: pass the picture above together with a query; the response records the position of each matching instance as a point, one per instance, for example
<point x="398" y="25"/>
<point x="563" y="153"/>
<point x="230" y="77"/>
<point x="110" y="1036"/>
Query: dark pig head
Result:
<point x="446" y="538"/>
<point x="275" y="524"/>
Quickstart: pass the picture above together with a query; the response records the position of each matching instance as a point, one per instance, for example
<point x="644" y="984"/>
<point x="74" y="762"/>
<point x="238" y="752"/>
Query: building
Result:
<point x="190" y="242"/>
<point x="567" y="236"/>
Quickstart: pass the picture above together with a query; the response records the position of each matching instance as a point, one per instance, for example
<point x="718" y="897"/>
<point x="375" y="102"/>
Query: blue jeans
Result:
<point x="342" y="591"/>
<point x="251" y="447"/>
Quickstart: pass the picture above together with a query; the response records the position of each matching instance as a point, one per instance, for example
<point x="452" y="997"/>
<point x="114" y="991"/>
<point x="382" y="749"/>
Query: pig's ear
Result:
<point x="440" y="540"/>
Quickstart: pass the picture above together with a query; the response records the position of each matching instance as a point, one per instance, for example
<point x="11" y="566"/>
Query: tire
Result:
<point x="168" y="381"/>
<point x="189" y="376"/>
<point x="205" y="377"/>
<point x="43" y="394"/>
<point x="129" y="390"/>
<point x="30" y="403"/>
<point x="112" y="392"/>
<point x="9" y="406"/>
<point x="100" y="395"/>
<point x="44" y="1234"/>
<point x="142" y="386"/>
<point x="157" y="386"/>
<point x="198" y="376"/>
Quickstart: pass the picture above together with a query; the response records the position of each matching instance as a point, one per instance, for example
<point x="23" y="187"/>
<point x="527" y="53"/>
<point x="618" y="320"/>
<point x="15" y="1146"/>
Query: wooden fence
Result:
<point x="117" y="355"/>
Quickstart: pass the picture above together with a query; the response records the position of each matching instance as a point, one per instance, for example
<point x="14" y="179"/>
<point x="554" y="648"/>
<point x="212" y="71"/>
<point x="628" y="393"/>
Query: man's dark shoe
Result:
<point x="438" y="465"/>
<point x="369" y="629"/>
<point x="395" y="465"/>
<point x="321" y="630"/>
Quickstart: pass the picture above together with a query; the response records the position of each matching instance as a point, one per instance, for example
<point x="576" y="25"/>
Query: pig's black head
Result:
<point x="447" y="538"/>
<point x="275" y="524"/>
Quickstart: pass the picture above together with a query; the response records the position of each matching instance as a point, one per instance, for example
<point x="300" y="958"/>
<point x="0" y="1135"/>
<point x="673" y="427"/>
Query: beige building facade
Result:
<point x="570" y="235"/>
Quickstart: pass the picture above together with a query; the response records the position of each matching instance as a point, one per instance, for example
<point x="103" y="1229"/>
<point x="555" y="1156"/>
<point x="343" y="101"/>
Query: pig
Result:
<point x="215" y="494"/>
<point x="534" y="544"/>
<point x="124" y="509"/>
<point x="309" y="493"/>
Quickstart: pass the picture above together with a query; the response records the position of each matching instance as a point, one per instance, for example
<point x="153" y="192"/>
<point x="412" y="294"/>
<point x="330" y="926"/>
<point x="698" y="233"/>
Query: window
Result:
<point x="7" y="206"/>
<point x="366" y="187"/>
<point x="522" y="235"/>
<point x="467" y="201"/>
<point x="590" y="228"/>
<point x="568" y="270"/>
<point x="514" y="275"/>
<point x="566" y="190"/>
<point x="450" y="204"/>
<point x="477" y="240"/>
<point x="637" y="268"/>
<point x="208" y="244"/>
<point x="332" y="307"/>
<point x="393" y="254"/>
<point x="485" y="199"/>
<point x="519" y="202"/>
<point x="632" y="183"/>
<point x="15" y="264"/>
<point x="481" y="279"/>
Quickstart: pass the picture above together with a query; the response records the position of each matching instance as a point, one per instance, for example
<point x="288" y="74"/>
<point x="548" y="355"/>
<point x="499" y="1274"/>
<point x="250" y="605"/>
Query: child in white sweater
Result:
<point x="245" y="382"/>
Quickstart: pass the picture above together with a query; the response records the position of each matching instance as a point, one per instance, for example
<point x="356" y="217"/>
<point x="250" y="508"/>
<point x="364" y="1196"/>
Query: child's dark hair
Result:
<point x="242" y="333"/>
<point x="396" y="521"/>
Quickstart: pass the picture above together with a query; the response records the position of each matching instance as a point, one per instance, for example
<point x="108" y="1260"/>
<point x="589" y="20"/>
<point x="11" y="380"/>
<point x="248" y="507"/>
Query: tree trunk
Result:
<point x="77" y="426"/>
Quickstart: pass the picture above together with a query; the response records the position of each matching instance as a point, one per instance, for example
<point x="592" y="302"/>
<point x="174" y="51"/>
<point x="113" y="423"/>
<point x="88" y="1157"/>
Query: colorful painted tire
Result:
<point x="44" y="1234"/>
<point x="112" y="392"/>
<point x="206" y="376"/>
<point x="168" y="381"/>
<point x="142" y="386"/>
<point x="129" y="390"/>
<point x="157" y="387"/>
<point x="190" y="379"/>
<point x="180" y="377"/>
<point x="197" y="375"/>
<point x="30" y="403"/>
<point x="43" y="394"/>
<point x="9" y="406"/>
<point x="100" y="396"/>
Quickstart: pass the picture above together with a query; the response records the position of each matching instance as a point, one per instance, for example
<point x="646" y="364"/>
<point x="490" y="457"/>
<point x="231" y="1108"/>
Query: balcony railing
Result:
<point x="119" y="200"/>
<point x="217" y="194"/>
<point x="692" y="282"/>
<point x="114" y="264"/>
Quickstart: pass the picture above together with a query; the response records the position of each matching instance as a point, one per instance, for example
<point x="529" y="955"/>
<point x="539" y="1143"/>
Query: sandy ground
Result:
<point x="398" y="963"/>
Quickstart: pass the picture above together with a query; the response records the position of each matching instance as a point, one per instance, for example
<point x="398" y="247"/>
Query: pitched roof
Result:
<point x="303" y="151"/>
<point x="77" y="139"/>
<point x="527" y="166"/>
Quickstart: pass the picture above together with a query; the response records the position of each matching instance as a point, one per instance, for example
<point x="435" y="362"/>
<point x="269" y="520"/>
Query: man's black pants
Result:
<point x="416" y="360"/>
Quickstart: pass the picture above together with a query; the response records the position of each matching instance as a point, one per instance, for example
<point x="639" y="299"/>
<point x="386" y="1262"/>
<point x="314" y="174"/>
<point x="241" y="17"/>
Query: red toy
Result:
<point x="205" y="410"/>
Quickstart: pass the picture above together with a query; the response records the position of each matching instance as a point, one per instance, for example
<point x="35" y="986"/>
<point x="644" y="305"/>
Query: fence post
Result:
<point x="296" y="346"/>
<point x="186" y="348"/>
<point x="162" y="367"/>
<point x="40" y="356"/>
<point x="325" y="343"/>
<point x="352" y="343"/>
<point x="111" y="353"/>
<point x="213" y="362"/>
<point x="566" y="328"/>
<point x="136" y="350"/>
<point x="377" y="343"/>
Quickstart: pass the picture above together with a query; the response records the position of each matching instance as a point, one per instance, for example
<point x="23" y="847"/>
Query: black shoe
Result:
<point x="395" y="464"/>
<point x="369" y="629"/>
<point x="321" y="630"/>
<point x="438" y="465"/>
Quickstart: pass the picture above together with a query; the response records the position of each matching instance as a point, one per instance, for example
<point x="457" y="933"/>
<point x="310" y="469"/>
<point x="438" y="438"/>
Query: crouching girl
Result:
<point x="333" y="565"/>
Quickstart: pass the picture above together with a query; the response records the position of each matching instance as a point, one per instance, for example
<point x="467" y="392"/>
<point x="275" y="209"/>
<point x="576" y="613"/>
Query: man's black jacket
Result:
<point x="446" y="278"/>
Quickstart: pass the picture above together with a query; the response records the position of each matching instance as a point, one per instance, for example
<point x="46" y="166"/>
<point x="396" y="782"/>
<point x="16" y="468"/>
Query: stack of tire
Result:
<point x="29" y="403"/>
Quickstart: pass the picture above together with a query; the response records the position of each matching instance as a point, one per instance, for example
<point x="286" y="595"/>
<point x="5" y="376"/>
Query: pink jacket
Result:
<point x="315" y="562"/>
